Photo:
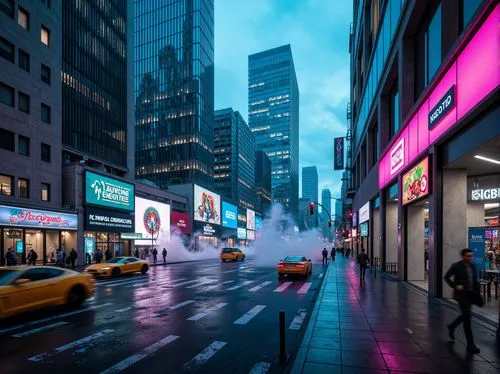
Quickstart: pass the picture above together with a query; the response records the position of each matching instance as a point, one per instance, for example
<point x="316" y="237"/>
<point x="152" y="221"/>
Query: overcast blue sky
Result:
<point x="318" y="31"/>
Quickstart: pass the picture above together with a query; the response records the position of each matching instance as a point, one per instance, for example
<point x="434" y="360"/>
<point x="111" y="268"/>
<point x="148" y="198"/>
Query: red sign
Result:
<point x="181" y="222"/>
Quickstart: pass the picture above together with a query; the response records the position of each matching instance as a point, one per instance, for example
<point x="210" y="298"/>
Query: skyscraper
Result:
<point x="273" y="116"/>
<point x="96" y="89"/>
<point x="234" y="149"/>
<point x="174" y="91"/>
<point x="263" y="181"/>
<point x="326" y="201"/>
<point x="310" y="188"/>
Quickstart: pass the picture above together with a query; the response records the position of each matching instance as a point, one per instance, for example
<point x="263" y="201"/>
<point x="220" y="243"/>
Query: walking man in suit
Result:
<point x="465" y="287"/>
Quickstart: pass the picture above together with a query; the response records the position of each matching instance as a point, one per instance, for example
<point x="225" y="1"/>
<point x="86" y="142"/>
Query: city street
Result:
<point x="205" y="316"/>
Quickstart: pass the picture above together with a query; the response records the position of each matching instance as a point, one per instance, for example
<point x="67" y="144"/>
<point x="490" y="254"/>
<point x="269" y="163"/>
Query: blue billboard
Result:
<point x="258" y="223"/>
<point x="229" y="215"/>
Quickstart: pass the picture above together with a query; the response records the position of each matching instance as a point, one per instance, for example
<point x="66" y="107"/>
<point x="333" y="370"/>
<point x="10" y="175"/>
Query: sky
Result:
<point x="318" y="32"/>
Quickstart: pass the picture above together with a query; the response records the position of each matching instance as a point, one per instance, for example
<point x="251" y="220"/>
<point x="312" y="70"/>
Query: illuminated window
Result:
<point x="23" y="18"/>
<point x="45" y="35"/>
<point x="45" y="196"/>
<point x="24" y="188"/>
<point x="6" y="184"/>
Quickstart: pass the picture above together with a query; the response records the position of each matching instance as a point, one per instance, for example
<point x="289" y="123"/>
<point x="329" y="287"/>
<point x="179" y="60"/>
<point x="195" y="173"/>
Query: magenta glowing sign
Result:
<point x="473" y="75"/>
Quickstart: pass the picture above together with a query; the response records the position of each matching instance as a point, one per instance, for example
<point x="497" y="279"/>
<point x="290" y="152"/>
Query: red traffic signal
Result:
<point x="311" y="209"/>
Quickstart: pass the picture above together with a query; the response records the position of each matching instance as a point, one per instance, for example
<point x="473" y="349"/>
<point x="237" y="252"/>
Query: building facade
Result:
<point x="174" y="91"/>
<point x="234" y="150"/>
<point x="96" y="88"/>
<point x="326" y="201"/>
<point x="263" y="181"/>
<point x="425" y="142"/>
<point x="310" y="190"/>
<point x="273" y="116"/>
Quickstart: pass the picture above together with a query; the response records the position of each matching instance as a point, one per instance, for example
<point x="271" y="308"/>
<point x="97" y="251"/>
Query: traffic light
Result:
<point x="329" y="223"/>
<point x="311" y="209"/>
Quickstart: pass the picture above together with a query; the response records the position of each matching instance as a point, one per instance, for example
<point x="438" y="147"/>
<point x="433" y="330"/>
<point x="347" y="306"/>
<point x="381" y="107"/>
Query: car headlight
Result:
<point x="105" y="268"/>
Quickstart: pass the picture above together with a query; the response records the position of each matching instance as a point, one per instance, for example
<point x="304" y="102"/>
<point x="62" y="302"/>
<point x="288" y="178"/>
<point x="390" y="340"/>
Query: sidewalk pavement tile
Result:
<point x="324" y="356"/>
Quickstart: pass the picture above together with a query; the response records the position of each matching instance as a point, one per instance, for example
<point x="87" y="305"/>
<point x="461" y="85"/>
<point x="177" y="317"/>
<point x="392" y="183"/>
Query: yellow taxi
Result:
<point x="294" y="265"/>
<point x="118" y="266"/>
<point x="27" y="288"/>
<point x="231" y="254"/>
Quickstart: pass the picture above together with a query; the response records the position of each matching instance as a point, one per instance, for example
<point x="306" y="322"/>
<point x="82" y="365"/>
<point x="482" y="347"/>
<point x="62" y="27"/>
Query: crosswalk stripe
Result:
<point x="152" y="283"/>
<point x="187" y="282"/>
<point x="263" y="284"/>
<point x="204" y="356"/>
<point x="66" y="347"/>
<point x="123" y="309"/>
<point x="283" y="287"/>
<point x="305" y="288"/>
<point x="207" y="311"/>
<point x="260" y="368"/>
<point x="217" y="285"/>
<point x="202" y="283"/>
<point x="125" y="283"/>
<point x="39" y="329"/>
<point x="298" y="320"/>
<point x="122" y="281"/>
<point x="243" y="320"/>
<point x="37" y="322"/>
<point x="122" y="365"/>
<point x="243" y="284"/>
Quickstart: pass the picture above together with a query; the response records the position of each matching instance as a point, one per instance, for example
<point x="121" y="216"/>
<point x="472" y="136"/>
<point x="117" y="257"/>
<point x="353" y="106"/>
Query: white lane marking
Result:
<point x="122" y="365"/>
<point x="207" y="311"/>
<point x="243" y="284"/>
<point x="198" y="360"/>
<point x="76" y="343"/>
<point x="263" y="284"/>
<point x="321" y="276"/>
<point x="180" y="305"/>
<point x="283" y="287"/>
<point x="305" y="288"/>
<point x="202" y="283"/>
<point x="217" y="285"/>
<point x="260" y="368"/>
<point x="93" y="307"/>
<point x="243" y="320"/>
<point x="230" y="271"/>
<point x="122" y="281"/>
<point x="91" y="299"/>
<point x="298" y="320"/>
<point x="35" y="331"/>
<point x="187" y="282"/>
<point x="128" y="283"/>
<point x="123" y="309"/>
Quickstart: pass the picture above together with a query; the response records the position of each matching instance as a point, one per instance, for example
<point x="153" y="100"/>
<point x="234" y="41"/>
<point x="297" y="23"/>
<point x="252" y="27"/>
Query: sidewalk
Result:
<point x="386" y="327"/>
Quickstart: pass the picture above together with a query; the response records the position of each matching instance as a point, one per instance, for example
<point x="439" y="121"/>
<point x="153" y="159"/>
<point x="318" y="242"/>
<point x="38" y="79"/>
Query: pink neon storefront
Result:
<point x="446" y="151"/>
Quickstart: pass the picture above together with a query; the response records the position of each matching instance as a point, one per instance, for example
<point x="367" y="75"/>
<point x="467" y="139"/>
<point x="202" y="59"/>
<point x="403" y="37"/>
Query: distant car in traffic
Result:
<point x="28" y="288"/>
<point x="298" y="265"/>
<point x="231" y="254"/>
<point x="118" y="266"/>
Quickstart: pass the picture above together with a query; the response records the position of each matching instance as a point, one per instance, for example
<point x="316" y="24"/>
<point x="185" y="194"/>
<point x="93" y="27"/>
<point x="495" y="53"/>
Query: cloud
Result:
<point x="318" y="32"/>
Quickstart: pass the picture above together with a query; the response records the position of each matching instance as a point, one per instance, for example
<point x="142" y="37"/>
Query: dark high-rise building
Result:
<point x="263" y="181"/>
<point x="310" y="188"/>
<point x="273" y="116"/>
<point x="326" y="201"/>
<point x="174" y="91"/>
<point x="96" y="90"/>
<point x="234" y="149"/>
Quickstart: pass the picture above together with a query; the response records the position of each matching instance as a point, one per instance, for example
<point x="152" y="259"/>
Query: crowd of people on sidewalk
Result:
<point x="59" y="257"/>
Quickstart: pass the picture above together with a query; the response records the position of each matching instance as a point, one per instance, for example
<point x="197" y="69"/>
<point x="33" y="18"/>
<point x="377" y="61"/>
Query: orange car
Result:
<point x="294" y="265"/>
<point x="231" y="254"/>
<point x="118" y="266"/>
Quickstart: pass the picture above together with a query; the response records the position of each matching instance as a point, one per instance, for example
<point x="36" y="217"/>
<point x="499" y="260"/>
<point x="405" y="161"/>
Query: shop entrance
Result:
<point x="417" y="243"/>
<point x="391" y="230"/>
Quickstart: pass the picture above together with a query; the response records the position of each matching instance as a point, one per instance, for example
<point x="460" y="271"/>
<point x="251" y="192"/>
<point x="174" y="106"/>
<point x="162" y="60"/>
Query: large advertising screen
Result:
<point x="250" y="219"/>
<point x="45" y="219"/>
<point x="242" y="233"/>
<point x="206" y="205"/>
<point x="416" y="182"/>
<point x="258" y="223"/>
<point x="108" y="192"/>
<point x="152" y="220"/>
<point x="181" y="222"/>
<point x="229" y="215"/>
<point x="250" y="235"/>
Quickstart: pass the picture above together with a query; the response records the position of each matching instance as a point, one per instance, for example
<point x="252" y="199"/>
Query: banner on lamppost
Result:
<point x="338" y="156"/>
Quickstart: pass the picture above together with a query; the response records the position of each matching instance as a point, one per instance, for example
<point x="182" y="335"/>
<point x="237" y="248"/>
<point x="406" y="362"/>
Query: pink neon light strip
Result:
<point x="475" y="72"/>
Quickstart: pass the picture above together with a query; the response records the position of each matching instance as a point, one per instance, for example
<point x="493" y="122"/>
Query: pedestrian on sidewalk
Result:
<point x="136" y="253"/>
<point x="108" y="255"/>
<point x="164" y="253"/>
<point x="32" y="257"/>
<point x="333" y="254"/>
<point x="72" y="257"/>
<point x="466" y="292"/>
<point x="363" y="262"/>
<point x="325" y="257"/>
<point x="155" y="255"/>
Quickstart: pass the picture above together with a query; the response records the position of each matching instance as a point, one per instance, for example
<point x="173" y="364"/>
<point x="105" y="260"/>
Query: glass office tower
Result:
<point x="174" y="91"/>
<point x="273" y="116"/>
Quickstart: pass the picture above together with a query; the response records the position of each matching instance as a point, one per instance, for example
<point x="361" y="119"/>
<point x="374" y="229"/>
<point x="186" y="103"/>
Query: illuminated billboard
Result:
<point x="152" y="220"/>
<point x="250" y="219"/>
<point x="206" y="205"/>
<point x="229" y="215"/>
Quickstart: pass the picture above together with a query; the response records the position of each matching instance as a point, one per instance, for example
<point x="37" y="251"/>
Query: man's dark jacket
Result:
<point x="460" y="278"/>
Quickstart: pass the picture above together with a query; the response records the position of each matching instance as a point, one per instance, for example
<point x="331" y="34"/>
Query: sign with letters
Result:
<point x="481" y="194"/>
<point x="398" y="156"/>
<point x="108" y="220"/>
<point x="477" y="244"/>
<point x="338" y="153"/>
<point x="445" y="104"/>
<point x="364" y="213"/>
<point x="108" y="192"/>
<point x="44" y="219"/>
<point x="229" y="215"/>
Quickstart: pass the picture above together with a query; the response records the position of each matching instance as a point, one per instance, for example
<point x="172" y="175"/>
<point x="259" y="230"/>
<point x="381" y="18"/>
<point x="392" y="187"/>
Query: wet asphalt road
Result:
<point x="206" y="317"/>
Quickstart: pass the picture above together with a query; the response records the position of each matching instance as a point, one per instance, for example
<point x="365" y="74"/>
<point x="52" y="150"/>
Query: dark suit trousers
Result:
<point x="465" y="304"/>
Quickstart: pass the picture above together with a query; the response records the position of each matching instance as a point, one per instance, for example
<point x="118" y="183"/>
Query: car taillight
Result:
<point x="299" y="265"/>
<point x="281" y="265"/>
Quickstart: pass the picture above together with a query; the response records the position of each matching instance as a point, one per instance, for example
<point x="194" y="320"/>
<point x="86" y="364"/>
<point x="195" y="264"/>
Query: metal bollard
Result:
<point x="282" y="337"/>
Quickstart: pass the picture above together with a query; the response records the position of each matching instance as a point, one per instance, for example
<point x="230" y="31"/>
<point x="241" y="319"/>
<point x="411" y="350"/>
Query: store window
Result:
<point x="7" y="7"/>
<point x="23" y="145"/>
<point x="45" y="35"/>
<point x="7" y="50"/>
<point x="6" y="185"/>
<point x="24" y="188"/>
<point x="23" y="102"/>
<point x="13" y="240"/>
<point x="23" y="18"/>
<point x="6" y="95"/>
<point x="45" y="192"/>
<point x="375" y="18"/>
<point x="434" y="44"/>
<point x="45" y="74"/>
<point x="45" y="152"/>
<point x="467" y="10"/>
<point x="7" y="140"/>
<point x="45" y="113"/>
<point x="394" y="118"/>
<point x="23" y="60"/>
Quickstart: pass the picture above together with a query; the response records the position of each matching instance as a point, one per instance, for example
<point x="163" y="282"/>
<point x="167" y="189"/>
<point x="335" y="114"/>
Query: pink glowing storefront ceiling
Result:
<point x="472" y="76"/>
